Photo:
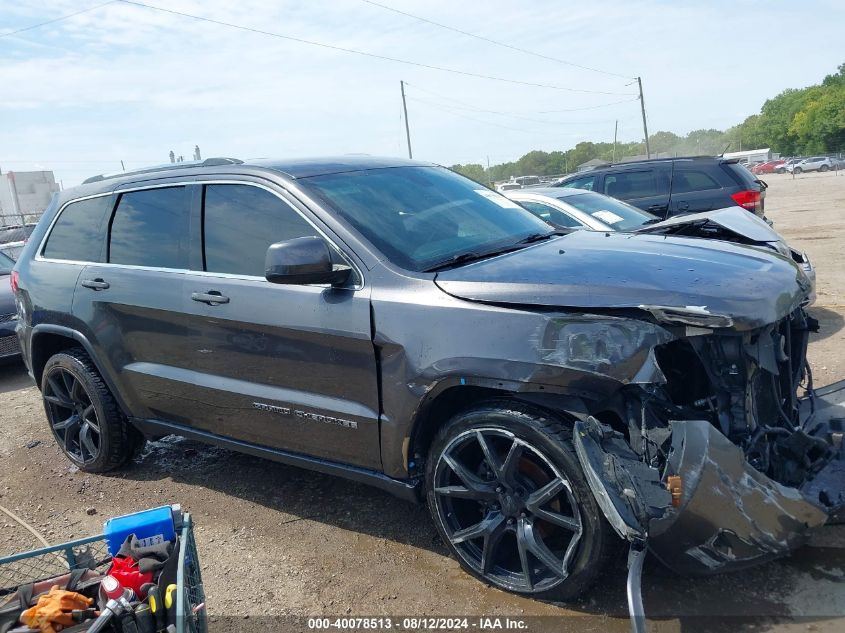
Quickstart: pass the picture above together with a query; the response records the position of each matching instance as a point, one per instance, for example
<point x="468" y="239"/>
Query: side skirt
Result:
<point x="408" y="490"/>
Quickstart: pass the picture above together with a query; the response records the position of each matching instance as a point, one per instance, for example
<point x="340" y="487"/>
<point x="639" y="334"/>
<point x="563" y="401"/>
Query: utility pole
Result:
<point x="615" y="131"/>
<point x="645" y="126"/>
<point x="122" y="166"/>
<point x="405" y="110"/>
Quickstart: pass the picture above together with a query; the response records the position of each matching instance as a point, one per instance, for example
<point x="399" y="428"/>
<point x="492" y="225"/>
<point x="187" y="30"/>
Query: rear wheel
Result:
<point x="83" y="415"/>
<point x="508" y="496"/>
<point x="798" y="170"/>
<point x="823" y="168"/>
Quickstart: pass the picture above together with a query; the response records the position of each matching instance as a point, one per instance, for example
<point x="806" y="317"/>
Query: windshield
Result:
<point x="615" y="213"/>
<point x="6" y="264"/>
<point x="420" y="216"/>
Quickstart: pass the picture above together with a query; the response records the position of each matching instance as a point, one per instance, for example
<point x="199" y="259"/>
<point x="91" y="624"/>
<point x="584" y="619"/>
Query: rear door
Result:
<point x="695" y="187"/>
<point x="644" y="186"/>
<point x="132" y="302"/>
<point x="286" y="366"/>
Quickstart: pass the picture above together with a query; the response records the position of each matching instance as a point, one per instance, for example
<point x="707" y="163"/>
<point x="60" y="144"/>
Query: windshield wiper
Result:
<point x="539" y="237"/>
<point x="463" y="258"/>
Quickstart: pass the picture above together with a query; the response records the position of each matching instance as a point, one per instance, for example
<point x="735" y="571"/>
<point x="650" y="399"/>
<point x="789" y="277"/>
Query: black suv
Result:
<point x="666" y="187"/>
<point x="396" y="323"/>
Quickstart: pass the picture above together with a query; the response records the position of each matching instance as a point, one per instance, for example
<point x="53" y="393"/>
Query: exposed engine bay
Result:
<point x="732" y="461"/>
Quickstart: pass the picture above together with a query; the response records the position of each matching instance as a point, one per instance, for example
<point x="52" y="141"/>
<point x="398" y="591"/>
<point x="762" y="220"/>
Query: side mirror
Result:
<point x="303" y="260"/>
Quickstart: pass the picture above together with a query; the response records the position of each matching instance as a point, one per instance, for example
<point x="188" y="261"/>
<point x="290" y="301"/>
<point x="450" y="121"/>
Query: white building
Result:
<point x="751" y="155"/>
<point x="24" y="195"/>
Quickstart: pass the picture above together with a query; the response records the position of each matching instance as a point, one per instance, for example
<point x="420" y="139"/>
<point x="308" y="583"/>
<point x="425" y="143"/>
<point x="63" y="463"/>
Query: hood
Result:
<point x="7" y="297"/>
<point x="740" y="225"/>
<point x="595" y="270"/>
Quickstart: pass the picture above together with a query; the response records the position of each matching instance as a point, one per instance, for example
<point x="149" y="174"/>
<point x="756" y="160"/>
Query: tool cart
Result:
<point x="141" y="575"/>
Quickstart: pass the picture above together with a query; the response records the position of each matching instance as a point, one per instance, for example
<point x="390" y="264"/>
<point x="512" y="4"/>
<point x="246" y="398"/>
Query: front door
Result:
<point x="285" y="366"/>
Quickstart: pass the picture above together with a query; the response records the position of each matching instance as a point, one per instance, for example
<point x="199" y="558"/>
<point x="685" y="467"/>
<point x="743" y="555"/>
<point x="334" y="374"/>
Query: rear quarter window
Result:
<point x="688" y="180"/>
<point x="78" y="232"/>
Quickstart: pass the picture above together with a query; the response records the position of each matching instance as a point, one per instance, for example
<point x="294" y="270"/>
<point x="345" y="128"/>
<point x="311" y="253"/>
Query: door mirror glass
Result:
<point x="303" y="260"/>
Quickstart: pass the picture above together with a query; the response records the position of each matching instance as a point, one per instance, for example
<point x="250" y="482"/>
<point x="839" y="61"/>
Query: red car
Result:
<point x="767" y="167"/>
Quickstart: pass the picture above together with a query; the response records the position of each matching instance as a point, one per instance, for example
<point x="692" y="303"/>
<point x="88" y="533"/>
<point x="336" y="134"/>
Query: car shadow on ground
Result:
<point x="830" y="322"/>
<point x="13" y="376"/>
<point x="753" y="600"/>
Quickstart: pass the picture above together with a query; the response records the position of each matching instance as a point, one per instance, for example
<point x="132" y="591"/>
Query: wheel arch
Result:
<point x="440" y="406"/>
<point x="48" y="340"/>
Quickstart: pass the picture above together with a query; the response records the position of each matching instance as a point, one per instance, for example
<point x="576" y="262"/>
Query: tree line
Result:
<point x="800" y="121"/>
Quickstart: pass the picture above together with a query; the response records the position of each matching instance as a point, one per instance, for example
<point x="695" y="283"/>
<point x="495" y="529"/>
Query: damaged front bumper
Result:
<point x="707" y="509"/>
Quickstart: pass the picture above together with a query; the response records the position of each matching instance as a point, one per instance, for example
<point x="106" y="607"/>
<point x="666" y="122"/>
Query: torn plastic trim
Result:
<point x="731" y="516"/>
<point x="697" y="316"/>
<point x="629" y="492"/>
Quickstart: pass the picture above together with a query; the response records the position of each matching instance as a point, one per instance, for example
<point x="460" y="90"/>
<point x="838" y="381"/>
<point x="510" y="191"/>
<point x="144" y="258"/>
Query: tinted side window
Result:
<point x="631" y="184"/>
<point x="148" y="227"/>
<point x="77" y="233"/>
<point x="685" y="181"/>
<point x="585" y="182"/>
<point x="550" y="214"/>
<point x="240" y="222"/>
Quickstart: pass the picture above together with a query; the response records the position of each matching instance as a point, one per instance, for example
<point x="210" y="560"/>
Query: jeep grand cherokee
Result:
<point x="390" y="321"/>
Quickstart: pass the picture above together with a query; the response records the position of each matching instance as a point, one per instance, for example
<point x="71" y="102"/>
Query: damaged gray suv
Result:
<point x="546" y="392"/>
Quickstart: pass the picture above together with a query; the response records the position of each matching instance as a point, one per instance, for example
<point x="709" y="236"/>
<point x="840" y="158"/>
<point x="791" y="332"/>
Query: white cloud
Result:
<point x="131" y="83"/>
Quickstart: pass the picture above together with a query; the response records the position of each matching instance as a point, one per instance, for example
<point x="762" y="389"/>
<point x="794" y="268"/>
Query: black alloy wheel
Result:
<point x="72" y="415"/>
<point x="84" y="416"/>
<point x="507" y="509"/>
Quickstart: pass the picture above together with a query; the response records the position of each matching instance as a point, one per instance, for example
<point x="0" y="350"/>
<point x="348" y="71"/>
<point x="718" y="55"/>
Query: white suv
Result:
<point x="814" y="163"/>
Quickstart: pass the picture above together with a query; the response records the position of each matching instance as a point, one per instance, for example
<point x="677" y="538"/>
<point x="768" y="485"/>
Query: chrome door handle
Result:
<point x="212" y="297"/>
<point x="95" y="284"/>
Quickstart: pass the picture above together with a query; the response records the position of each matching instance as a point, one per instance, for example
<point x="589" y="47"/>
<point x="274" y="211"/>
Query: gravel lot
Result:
<point x="275" y="540"/>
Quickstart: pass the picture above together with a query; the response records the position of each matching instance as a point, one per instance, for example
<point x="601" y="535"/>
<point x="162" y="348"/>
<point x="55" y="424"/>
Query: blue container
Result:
<point x="150" y="527"/>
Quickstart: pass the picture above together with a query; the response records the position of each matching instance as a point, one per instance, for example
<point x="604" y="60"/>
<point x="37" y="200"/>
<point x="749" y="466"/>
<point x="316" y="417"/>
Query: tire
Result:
<point x="798" y="170"/>
<point x="780" y="171"/>
<point x="504" y="535"/>
<point x="824" y="168"/>
<point x="84" y="417"/>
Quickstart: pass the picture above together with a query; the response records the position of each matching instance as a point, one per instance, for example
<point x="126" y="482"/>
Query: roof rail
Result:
<point x="208" y="162"/>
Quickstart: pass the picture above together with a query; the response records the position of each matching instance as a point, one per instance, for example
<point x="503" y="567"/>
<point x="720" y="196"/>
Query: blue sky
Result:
<point x="125" y="82"/>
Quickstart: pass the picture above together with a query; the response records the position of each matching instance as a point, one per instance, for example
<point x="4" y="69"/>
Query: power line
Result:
<point x="492" y="41"/>
<point x="464" y="116"/>
<point x="64" y="17"/>
<point x="548" y="122"/>
<point x="516" y="115"/>
<point x="364" y="53"/>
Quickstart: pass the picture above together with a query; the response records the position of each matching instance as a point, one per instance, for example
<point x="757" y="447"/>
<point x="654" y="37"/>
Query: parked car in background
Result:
<point x="814" y="163"/>
<point x="527" y="181"/>
<point x="581" y="209"/>
<point x="507" y="186"/>
<point x="768" y="167"/>
<point x="667" y="187"/>
<point x="9" y="345"/>
<point x="13" y="239"/>
<point x="787" y="165"/>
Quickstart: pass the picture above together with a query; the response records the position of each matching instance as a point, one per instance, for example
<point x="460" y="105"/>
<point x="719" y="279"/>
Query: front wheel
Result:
<point x="84" y="416"/>
<point x="798" y="170"/>
<point x="509" y="499"/>
<point x="823" y="168"/>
